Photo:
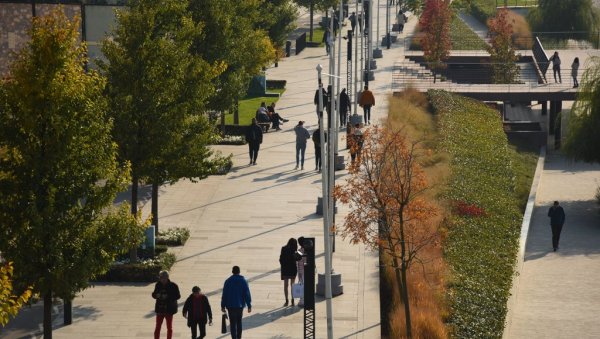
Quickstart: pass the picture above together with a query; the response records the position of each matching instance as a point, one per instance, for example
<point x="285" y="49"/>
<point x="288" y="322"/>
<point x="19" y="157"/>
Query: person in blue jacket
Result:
<point x="236" y="295"/>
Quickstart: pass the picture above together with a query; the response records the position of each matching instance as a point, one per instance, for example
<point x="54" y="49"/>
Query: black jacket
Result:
<point x="254" y="134"/>
<point x="344" y="102"/>
<point x="325" y="98"/>
<point x="202" y="313"/>
<point x="166" y="297"/>
<point x="557" y="215"/>
<point x="287" y="259"/>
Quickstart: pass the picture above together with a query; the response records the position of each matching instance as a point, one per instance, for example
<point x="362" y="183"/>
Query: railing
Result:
<point x="300" y="43"/>
<point x="516" y="3"/>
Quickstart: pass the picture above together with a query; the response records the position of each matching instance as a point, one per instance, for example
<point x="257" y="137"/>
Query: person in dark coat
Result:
<point x="289" y="270"/>
<point x="556" y="66"/>
<point x="197" y="311"/>
<point x="316" y="138"/>
<point x="557" y="220"/>
<point x="344" y="107"/>
<point x="325" y="100"/>
<point x="254" y="136"/>
<point x="166" y="294"/>
<point x="352" y="19"/>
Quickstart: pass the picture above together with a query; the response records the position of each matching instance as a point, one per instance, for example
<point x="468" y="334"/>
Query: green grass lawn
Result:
<point x="318" y="32"/>
<point x="463" y="37"/>
<point x="249" y="105"/>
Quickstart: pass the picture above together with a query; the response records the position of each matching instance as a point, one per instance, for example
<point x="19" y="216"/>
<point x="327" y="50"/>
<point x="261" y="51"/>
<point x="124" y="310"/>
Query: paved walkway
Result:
<point x="557" y="296"/>
<point x="243" y="219"/>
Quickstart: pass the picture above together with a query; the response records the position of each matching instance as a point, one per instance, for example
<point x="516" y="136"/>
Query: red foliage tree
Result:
<point x="501" y="49"/>
<point x="435" y="25"/>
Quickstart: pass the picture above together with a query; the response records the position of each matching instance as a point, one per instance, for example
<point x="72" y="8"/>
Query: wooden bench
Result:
<point x="264" y="126"/>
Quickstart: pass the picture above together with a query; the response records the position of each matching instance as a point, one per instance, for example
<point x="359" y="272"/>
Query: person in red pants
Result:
<point x="166" y="294"/>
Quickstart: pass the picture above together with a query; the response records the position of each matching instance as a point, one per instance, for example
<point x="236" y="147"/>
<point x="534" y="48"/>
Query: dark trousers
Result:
<point x="198" y="324"/>
<point x="318" y="157"/>
<point x="556" y="229"/>
<point x="300" y="150"/>
<point x="253" y="147"/>
<point x="556" y="70"/>
<point x="367" y="111"/>
<point x="343" y="118"/>
<point x="235" y="321"/>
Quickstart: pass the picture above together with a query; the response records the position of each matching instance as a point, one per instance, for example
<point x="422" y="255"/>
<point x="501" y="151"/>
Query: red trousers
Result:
<point x="159" y="321"/>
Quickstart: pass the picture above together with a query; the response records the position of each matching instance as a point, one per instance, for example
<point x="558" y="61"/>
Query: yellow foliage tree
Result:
<point x="10" y="304"/>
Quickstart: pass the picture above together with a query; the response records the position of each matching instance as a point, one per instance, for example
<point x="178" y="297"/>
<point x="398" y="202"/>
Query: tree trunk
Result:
<point x="67" y="312"/>
<point x="311" y="21"/>
<point x="406" y="301"/>
<point x="134" y="210"/>
<point x="48" y="315"/>
<point x="155" y="207"/>
<point x="396" y="268"/>
<point x="236" y="113"/>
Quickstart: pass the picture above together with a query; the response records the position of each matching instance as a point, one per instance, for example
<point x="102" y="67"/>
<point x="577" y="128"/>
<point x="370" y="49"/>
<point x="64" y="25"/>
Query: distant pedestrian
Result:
<point x="557" y="220"/>
<point x="352" y="19"/>
<point x="360" y="22"/>
<point x="344" y="107"/>
<point x="197" y="311"/>
<point x="254" y="137"/>
<point x="356" y="142"/>
<point x="289" y="270"/>
<point x="236" y="295"/>
<point x="574" y="70"/>
<point x="401" y="19"/>
<point x="302" y="135"/>
<point x="316" y="138"/>
<point x="327" y="40"/>
<point x="166" y="294"/>
<point x="325" y="100"/>
<point x="300" y="265"/>
<point x="556" y="66"/>
<point x="366" y="101"/>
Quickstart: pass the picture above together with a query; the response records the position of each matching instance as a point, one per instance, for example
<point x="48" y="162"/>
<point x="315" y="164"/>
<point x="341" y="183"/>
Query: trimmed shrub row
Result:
<point x="276" y="84"/>
<point x="143" y="271"/>
<point x="176" y="236"/>
<point x="482" y="234"/>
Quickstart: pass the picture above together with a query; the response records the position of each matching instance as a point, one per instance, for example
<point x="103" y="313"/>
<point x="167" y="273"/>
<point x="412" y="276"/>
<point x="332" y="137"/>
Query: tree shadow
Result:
<point x="144" y="195"/>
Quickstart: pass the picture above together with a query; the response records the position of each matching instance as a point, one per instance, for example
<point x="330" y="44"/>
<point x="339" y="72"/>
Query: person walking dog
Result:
<point x="197" y="311"/>
<point x="166" y="294"/>
<point x="557" y="220"/>
<point x="236" y="295"/>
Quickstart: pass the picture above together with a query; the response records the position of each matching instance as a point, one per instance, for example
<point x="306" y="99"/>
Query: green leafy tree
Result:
<point x="59" y="172"/>
<point x="502" y="50"/>
<point x="584" y="121"/>
<point x="9" y="303"/>
<point x="565" y="16"/>
<point x="230" y="37"/>
<point x="158" y="91"/>
<point x="435" y="25"/>
<point x="278" y="18"/>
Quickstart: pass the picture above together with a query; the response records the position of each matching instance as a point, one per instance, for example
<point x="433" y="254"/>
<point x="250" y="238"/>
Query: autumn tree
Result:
<point x="435" y="25"/>
<point x="157" y="94"/>
<point x="388" y="211"/>
<point x="59" y="173"/>
<point x="584" y="121"/>
<point x="10" y="303"/>
<point x="502" y="50"/>
<point x="575" y="19"/>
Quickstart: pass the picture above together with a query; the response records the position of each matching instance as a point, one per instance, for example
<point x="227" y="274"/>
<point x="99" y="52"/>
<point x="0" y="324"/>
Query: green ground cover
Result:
<point x="486" y="189"/>
<point x="484" y="9"/>
<point x="249" y="105"/>
<point x="463" y="37"/>
<point x="317" y="35"/>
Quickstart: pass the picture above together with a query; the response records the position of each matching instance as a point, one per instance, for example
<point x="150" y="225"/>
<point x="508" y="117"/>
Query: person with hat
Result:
<point x="166" y="294"/>
<point x="197" y="311"/>
<point x="302" y="135"/>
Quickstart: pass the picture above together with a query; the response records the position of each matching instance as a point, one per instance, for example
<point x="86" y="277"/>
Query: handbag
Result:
<point x="298" y="290"/>
<point x="224" y="323"/>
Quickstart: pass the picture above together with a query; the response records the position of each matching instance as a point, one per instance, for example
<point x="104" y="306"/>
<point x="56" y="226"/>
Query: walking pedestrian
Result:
<point x="352" y="19"/>
<point x="356" y="142"/>
<point x="300" y="267"/>
<point x="316" y="138"/>
<point x="366" y="101"/>
<point x="166" y="294"/>
<point x="574" y="70"/>
<point x="557" y="220"/>
<point x="327" y="39"/>
<point x="325" y="100"/>
<point x="344" y="107"/>
<point x="556" y="66"/>
<point x="236" y="295"/>
<point x="301" y="136"/>
<point x="254" y="136"/>
<point x="197" y="311"/>
<point x="360" y="22"/>
<point x="289" y="270"/>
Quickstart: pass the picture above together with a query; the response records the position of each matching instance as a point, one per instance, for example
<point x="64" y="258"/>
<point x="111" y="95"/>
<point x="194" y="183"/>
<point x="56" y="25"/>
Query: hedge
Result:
<point x="482" y="234"/>
<point x="176" y="236"/>
<point x="144" y="271"/>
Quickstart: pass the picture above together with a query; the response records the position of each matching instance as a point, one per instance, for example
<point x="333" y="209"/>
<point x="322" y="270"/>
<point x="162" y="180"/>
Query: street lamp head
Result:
<point x="319" y="68"/>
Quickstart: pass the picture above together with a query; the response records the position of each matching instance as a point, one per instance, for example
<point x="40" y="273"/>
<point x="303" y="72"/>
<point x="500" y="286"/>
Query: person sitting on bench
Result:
<point x="275" y="117"/>
<point x="262" y="116"/>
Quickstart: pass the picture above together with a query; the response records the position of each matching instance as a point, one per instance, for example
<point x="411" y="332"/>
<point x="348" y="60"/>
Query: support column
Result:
<point x="544" y="107"/>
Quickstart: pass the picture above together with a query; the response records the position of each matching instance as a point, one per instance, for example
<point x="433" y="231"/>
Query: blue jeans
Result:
<point x="300" y="150"/>
<point x="235" y="321"/>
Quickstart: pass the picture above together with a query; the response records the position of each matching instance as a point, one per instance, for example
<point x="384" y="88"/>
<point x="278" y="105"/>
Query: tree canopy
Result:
<point x="584" y="123"/>
<point x="10" y="303"/>
<point x="59" y="174"/>
<point x="435" y="23"/>
<point x="502" y="50"/>
<point x="565" y="16"/>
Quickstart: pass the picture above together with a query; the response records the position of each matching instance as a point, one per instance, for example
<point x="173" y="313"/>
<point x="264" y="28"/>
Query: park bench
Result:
<point x="264" y="126"/>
